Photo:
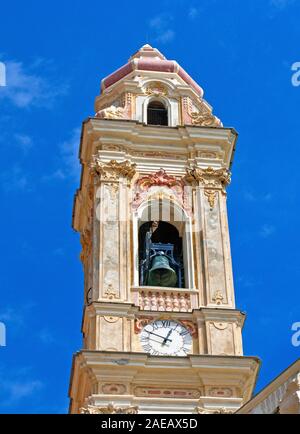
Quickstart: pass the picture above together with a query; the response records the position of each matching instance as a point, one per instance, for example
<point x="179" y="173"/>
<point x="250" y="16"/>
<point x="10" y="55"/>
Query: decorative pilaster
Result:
<point x="111" y="266"/>
<point x="211" y="205"/>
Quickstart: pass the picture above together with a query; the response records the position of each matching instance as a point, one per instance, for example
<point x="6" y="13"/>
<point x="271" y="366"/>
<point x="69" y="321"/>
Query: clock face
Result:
<point x="166" y="338"/>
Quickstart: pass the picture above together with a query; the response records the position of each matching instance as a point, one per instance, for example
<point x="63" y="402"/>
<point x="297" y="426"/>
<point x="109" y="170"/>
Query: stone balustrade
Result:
<point x="164" y="299"/>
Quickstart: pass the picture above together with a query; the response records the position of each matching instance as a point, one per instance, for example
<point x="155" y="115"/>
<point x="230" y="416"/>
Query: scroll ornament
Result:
<point x="209" y="177"/>
<point x="110" y="409"/>
<point x="111" y="112"/>
<point x="222" y="410"/>
<point x="160" y="179"/>
<point x="156" y="89"/>
<point x="112" y="170"/>
<point x="205" y="119"/>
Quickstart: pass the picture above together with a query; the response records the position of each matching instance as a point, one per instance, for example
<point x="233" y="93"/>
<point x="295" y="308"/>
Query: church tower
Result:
<point x="161" y="332"/>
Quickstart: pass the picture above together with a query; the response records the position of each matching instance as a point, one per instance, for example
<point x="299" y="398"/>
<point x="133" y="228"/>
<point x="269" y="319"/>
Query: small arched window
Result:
<point x="157" y="114"/>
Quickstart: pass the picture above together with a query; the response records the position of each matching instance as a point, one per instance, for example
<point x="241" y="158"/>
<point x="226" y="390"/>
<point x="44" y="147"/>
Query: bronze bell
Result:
<point x="161" y="274"/>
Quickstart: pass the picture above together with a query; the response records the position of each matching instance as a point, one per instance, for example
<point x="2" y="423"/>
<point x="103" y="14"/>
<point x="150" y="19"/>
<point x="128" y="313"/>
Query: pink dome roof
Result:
<point x="149" y="59"/>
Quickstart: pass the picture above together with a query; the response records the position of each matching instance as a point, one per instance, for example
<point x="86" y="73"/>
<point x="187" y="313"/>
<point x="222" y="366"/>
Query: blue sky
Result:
<point x="56" y="53"/>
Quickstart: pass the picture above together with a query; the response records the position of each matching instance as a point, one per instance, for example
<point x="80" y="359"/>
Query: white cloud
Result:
<point x="193" y="13"/>
<point x="25" y="87"/>
<point x="251" y="197"/>
<point x="70" y="167"/>
<point x="46" y="337"/>
<point x="12" y="316"/>
<point x="15" y="179"/>
<point x="281" y="4"/>
<point x="248" y="282"/>
<point x="69" y="151"/>
<point x="15" y="316"/>
<point x="24" y="142"/>
<point x="166" y="36"/>
<point x="267" y="230"/>
<point x="22" y="389"/>
<point x="16" y="388"/>
<point x="160" y="24"/>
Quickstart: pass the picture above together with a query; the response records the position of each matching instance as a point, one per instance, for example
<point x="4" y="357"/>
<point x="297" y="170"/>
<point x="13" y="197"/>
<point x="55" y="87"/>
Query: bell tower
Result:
<point x="161" y="332"/>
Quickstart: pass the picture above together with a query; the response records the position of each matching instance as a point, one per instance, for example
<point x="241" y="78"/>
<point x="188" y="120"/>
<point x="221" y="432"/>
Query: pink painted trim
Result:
<point x="156" y="65"/>
<point x="117" y="75"/>
<point x="150" y="65"/>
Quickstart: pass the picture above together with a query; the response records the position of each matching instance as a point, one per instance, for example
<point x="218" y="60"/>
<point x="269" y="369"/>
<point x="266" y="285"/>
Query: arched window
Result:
<point x="164" y="224"/>
<point x="157" y="114"/>
<point x="160" y="255"/>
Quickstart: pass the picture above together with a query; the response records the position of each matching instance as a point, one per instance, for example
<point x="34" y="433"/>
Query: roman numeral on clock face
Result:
<point x="166" y="323"/>
<point x="184" y="332"/>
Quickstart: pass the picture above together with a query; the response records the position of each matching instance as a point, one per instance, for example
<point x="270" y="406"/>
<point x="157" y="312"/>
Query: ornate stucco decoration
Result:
<point x="144" y="187"/>
<point x="156" y="89"/>
<point x="111" y="112"/>
<point x="218" y="297"/>
<point x="112" y="171"/>
<point x="119" y="108"/>
<point x="140" y="323"/>
<point x="290" y="402"/>
<point x="114" y="389"/>
<point x="167" y="392"/>
<point x="110" y="409"/>
<point x="222" y="410"/>
<point x="209" y="178"/>
<point x="211" y="197"/>
<point x="110" y="292"/>
<point x="205" y="119"/>
<point x="198" y="113"/>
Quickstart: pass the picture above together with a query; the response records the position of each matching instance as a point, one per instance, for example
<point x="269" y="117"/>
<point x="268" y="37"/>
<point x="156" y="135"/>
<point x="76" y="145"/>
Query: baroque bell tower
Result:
<point x="161" y="332"/>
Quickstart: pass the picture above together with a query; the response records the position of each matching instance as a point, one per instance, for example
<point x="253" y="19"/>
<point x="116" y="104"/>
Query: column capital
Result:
<point x="112" y="170"/>
<point x="209" y="177"/>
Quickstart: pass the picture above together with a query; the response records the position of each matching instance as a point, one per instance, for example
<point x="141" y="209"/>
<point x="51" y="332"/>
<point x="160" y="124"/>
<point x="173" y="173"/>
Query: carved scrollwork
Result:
<point x="110" y="292"/>
<point x="210" y="178"/>
<point x="156" y="89"/>
<point x="222" y="410"/>
<point x="218" y="297"/>
<point x="110" y="409"/>
<point x="141" y="322"/>
<point x="199" y="113"/>
<point x="205" y="119"/>
<point x="111" y="112"/>
<point x="176" y="188"/>
<point x="113" y="170"/>
<point x="211" y="197"/>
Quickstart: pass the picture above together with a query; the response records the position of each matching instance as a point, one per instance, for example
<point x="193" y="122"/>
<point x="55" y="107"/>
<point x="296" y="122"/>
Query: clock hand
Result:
<point x="165" y="339"/>
<point x="153" y="339"/>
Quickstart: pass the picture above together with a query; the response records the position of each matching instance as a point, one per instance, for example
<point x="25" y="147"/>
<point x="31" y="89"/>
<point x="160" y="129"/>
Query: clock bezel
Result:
<point x="150" y="348"/>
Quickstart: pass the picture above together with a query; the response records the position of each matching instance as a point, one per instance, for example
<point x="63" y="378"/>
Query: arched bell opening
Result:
<point x="173" y="226"/>
<point x="160" y="255"/>
<point x="157" y="113"/>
